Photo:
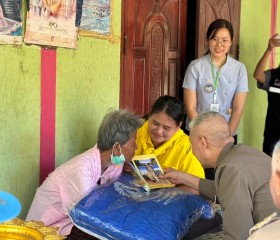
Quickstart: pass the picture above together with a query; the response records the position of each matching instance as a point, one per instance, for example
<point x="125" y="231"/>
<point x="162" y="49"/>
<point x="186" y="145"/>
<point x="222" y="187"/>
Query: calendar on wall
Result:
<point x="52" y="23"/>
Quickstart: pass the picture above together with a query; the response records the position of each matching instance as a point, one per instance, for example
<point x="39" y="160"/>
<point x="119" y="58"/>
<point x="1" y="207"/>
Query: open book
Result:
<point x="148" y="169"/>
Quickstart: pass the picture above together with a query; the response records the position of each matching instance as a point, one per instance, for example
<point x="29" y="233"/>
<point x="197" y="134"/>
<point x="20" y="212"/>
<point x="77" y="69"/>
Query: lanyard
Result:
<point x="216" y="78"/>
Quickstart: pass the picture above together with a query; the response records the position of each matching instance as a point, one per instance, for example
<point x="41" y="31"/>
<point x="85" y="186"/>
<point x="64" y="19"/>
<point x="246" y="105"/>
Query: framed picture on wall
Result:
<point x="10" y="22"/>
<point x="95" y="18"/>
<point x="52" y="23"/>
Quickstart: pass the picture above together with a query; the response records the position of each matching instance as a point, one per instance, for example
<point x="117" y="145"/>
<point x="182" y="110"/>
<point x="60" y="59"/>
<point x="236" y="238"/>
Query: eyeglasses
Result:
<point x="223" y="41"/>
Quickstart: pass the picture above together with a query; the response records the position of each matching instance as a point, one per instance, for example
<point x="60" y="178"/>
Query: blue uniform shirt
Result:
<point x="233" y="79"/>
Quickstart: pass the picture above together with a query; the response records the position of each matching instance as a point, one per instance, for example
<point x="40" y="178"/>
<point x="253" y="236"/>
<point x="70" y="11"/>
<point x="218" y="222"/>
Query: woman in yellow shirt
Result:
<point x="161" y="135"/>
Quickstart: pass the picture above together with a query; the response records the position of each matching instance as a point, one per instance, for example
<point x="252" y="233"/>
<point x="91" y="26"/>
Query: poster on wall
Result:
<point x="10" y="22"/>
<point x="51" y="23"/>
<point x="95" y="18"/>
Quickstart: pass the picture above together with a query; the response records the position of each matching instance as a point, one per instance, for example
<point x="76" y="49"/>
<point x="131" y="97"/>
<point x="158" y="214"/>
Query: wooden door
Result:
<point x="152" y="51"/>
<point x="208" y="11"/>
<point x="158" y="43"/>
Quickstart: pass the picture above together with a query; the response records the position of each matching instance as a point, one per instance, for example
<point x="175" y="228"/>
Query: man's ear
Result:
<point x="203" y="141"/>
<point x="277" y="174"/>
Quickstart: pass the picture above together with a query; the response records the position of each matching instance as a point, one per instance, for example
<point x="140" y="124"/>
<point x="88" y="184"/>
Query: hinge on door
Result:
<point x="124" y="43"/>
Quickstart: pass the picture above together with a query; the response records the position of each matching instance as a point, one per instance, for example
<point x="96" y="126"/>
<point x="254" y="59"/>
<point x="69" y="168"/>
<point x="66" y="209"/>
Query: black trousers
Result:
<point x="77" y="234"/>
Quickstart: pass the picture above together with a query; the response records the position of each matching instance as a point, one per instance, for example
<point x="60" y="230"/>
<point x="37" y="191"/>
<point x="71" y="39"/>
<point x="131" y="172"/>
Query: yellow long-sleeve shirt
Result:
<point x="175" y="153"/>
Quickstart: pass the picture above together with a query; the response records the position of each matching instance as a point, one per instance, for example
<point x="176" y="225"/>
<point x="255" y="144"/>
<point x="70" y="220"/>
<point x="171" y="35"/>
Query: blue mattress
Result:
<point x="122" y="210"/>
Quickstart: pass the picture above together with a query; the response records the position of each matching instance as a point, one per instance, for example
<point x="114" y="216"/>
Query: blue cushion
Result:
<point x="122" y="210"/>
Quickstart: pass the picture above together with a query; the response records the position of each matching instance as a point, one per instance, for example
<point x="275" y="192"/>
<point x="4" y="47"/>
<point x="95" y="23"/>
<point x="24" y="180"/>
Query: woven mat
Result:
<point x="211" y="236"/>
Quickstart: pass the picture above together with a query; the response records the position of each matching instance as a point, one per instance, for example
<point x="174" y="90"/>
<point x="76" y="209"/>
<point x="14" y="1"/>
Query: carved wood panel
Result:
<point x="151" y="51"/>
<point x="208" y="11"/>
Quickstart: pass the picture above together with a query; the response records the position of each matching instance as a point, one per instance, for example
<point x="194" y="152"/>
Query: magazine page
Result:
<point x="148" y="169"/>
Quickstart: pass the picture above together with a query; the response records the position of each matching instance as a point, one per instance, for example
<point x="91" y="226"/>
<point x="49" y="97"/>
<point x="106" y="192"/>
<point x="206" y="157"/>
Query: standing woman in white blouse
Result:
<point x="216" y="81"/>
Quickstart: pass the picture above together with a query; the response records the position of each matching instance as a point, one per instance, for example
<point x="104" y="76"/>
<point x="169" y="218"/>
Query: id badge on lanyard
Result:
<point x="214" y="107"/>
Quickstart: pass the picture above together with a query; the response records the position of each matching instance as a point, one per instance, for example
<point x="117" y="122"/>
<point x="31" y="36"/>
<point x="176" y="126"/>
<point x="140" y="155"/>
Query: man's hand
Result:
<point x="178" y="177"/>
<point x="173" y="175"/>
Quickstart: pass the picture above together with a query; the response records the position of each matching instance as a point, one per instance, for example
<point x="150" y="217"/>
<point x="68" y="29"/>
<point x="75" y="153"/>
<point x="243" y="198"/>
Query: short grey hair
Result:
<point x="214" y="127"/>
<point x="117" y="126"/>
<point x="276" y="158"/>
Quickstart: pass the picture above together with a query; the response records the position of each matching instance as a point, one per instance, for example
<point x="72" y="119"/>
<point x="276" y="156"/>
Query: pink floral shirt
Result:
<point x="66" y="185"/>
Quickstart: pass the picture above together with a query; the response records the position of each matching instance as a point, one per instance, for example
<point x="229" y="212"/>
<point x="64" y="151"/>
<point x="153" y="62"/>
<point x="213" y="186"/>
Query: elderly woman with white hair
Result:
<point x="75" y="178"/>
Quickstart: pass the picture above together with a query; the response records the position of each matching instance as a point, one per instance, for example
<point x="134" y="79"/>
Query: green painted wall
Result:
<point x="88" y="80"/>
<point x="254" y="35"/>
<point x="87" y="86"/>
<point x="19" y="121"/>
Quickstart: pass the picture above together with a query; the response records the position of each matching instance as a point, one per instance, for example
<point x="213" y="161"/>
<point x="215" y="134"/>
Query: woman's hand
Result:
<point x="127" y="167"/>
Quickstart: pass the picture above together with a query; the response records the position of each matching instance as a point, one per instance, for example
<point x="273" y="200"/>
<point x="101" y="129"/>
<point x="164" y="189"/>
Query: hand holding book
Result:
<point x="148" y="169"/>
